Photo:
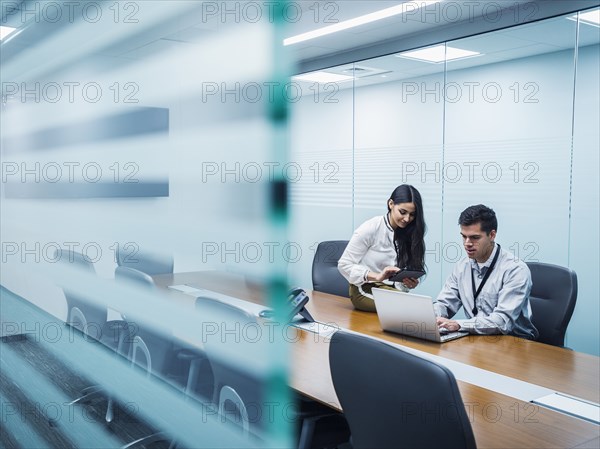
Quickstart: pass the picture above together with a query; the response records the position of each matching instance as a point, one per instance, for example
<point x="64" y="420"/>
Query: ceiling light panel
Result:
<point x="438" y="54"/>
<point x="5" y="31"/>
<point x="361" y="20"/>
<point x="322" y="77"/>
<point x="590" y="17"/>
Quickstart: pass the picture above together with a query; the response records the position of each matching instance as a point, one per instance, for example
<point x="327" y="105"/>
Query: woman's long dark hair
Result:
<point x="409" y="242"/>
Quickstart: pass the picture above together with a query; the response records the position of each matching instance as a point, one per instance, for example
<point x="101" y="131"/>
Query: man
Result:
<point x="491" y="284"/>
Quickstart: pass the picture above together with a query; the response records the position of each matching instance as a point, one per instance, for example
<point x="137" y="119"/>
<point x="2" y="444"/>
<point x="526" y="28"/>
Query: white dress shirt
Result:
<point x="503" y="304"/>
<point x="371" y="248"/>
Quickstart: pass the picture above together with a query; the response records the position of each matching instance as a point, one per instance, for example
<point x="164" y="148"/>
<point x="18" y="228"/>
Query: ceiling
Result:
<point x="548" y="36"/>
<point x="198" y="20"/>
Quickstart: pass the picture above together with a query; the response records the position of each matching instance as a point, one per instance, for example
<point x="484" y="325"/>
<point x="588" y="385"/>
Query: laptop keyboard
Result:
<point x="451" y="335"/>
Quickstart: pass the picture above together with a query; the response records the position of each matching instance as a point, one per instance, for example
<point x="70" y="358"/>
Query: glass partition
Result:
<point x="320" y="167"/>
<point x="508" y="119"/>
<point x="508" y="137"/>
<point x="511" y="135"/>
<point x="584" y="224"/>
<point x="143" y="217"/>
<point x="398" y="125"/>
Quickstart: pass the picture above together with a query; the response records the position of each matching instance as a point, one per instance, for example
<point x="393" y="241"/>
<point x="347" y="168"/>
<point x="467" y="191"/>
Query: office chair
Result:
<point x="135" y="276"/>
<point x="238" y="393"/>
<point x="393" y="399"/>
<point x="325" y="274"/>
<point x="235" y="388"/>
<point x="150" y="350"/>
<point x="90" y="320"/>
<point x="553" y="297"/>
<point x="82" y="315"/>
<point x="145" y="262"/>
<point x="156" y="353"/>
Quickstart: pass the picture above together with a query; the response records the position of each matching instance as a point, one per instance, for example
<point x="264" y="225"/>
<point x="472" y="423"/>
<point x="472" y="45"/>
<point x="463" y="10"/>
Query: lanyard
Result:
<point x="483" y="281"/>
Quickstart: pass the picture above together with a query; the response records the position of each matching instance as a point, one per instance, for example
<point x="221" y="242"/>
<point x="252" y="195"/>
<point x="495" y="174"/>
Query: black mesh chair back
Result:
<point x="394" y="399"/>
<point x="134" y="276"/>
<point x="553" y="297"/>
<point x="90" y="318"/>
<point x="82" y="314"/>
<point x="325" y="274"/>
<point x="152" y="351"/>
<point x="235" y="346"/>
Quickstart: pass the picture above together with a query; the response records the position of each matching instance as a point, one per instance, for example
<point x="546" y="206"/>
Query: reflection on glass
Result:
<point x="139" y="142"/>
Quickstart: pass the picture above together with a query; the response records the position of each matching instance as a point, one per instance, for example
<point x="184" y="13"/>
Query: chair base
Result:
<point x="321" y="426"/>
<point x="88" y="394"/>
<point x="150" y="439"/>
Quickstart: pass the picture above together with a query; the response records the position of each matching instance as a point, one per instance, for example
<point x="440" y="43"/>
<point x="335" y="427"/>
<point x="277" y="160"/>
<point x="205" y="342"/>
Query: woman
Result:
<point x="383" y="245"/>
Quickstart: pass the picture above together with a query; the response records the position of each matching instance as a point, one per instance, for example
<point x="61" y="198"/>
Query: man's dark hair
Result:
<point x="479" y="214"/>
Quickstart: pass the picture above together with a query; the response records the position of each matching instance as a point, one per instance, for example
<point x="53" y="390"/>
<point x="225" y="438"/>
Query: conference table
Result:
<point x="498" y="420"/>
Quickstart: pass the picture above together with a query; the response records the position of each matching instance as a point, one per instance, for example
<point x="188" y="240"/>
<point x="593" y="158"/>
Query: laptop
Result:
<point x="410" y="314"/>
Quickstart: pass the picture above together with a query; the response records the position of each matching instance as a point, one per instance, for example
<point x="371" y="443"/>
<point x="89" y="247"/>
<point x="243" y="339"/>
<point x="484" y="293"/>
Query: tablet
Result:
<point x="403" y="274"/>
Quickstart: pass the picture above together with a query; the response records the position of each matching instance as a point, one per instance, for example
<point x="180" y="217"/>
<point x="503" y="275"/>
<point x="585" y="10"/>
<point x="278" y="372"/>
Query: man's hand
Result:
<point x="451" y="325"/>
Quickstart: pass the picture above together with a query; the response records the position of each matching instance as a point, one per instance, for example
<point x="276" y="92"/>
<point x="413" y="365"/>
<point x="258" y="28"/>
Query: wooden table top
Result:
<point x="497" y="420"/>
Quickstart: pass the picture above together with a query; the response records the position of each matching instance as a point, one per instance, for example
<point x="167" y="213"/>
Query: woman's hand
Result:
<point x="410" y="282"/>
<point x="385" y="274"/>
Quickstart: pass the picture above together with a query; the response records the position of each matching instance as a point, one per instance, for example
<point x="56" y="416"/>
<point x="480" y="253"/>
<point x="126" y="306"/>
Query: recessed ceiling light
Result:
<point x="361" y="20"/>
<point x="5" y="31"/>
<point x="589" y="18"/>
<point x="322" y="77"/>
<point x="438" y="53"/>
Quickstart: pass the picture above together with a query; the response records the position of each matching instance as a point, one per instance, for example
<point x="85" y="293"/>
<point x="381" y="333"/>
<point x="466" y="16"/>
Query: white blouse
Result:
<point x="371" y="248"/>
